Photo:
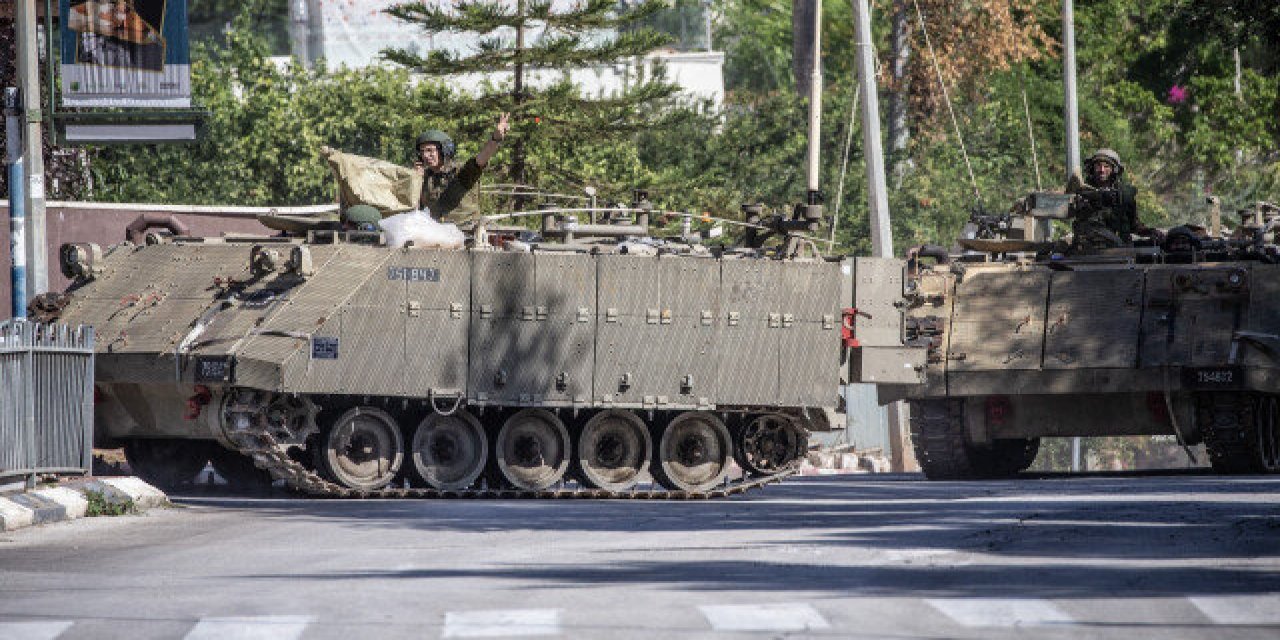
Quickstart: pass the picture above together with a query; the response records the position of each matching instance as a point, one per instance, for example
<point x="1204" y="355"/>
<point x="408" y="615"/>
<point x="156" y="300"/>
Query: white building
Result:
<point x="354" y="33"/>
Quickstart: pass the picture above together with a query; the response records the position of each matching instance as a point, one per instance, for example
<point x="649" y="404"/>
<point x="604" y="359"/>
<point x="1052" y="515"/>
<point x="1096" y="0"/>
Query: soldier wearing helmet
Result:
<point x="1105" y="210"/>
<point x="444" y="184"/>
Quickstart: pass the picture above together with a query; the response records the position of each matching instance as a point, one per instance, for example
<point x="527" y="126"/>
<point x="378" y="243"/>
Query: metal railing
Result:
<point x="46" y="399"/>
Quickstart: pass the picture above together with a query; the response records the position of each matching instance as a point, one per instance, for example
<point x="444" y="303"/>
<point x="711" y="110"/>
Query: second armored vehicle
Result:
<point x="1000" y="346"/>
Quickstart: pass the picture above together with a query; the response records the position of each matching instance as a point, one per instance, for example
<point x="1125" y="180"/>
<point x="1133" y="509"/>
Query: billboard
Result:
<point x="125" y="53"/>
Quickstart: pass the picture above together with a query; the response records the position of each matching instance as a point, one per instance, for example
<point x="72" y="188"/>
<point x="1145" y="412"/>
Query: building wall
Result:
<point x="868" y="426"/>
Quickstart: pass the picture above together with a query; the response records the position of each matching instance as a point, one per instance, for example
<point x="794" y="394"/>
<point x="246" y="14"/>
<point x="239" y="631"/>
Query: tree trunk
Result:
<point x="517" y="98"/>
<point x="899" y="57"/>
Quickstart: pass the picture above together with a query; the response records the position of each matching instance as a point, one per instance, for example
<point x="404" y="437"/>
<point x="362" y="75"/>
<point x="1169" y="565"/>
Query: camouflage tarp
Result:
<point x="389" y="187"/>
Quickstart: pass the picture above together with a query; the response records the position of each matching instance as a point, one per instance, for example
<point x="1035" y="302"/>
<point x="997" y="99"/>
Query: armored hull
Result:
<point x="347" y="366"/>
<point x="1128" y="343"/>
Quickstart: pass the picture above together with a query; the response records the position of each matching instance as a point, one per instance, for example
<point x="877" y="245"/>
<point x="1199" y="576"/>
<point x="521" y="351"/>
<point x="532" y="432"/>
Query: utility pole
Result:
<point x="17" y="204"/>
<point x="877" y="192"/>
<point x="1072" y="111"/>
<point x="815" y="108"/>
<point x="1071" y="114"/>
<point x="300" y="31"/>
<point x="28" y="72"/>
<point x="706" y="22"/>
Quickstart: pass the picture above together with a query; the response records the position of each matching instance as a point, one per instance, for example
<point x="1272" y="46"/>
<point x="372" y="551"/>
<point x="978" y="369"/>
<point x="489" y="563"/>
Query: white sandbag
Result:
<point x="422" y="230"/>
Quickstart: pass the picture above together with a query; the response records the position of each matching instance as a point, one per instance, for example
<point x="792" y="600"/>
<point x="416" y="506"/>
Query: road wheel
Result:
<point x="1241" y="431"/>
<point x="614" y="448"/>
<point x="1005" y="457"/>
<point x="769" y="443"/>
<point x="532" y="449"/>
<point x="693" y="452"/>
<point x="168" y="463"/>
<point x="449" y="452"/>
<point x="238" y="469"/>
<point x="362" y="449"/>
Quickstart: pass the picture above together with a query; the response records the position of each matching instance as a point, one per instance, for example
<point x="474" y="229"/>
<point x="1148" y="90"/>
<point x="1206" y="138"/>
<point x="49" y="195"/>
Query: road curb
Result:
<point x="72" y="500"/>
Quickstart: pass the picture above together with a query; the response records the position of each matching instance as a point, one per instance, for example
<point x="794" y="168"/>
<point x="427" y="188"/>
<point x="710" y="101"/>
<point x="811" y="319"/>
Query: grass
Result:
<point x="101" y="505"/>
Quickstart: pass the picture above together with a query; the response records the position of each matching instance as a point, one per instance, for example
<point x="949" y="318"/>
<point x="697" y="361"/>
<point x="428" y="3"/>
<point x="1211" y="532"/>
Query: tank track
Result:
<point x="937" y="434"/>
<point x="257" y="443"/>
<point x="1228" y="422"/>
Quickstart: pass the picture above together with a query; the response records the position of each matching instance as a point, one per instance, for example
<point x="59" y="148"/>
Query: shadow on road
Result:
<point x="1060" y="537"/>
<point x="1083" y="581"/>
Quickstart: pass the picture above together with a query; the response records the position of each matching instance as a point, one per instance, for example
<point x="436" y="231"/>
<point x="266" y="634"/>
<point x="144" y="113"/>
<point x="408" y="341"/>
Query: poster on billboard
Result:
<point x="125" y="53"/>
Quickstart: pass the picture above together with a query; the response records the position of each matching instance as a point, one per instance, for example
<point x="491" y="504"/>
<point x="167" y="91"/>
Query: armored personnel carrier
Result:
<point x="577" y="360"/>
<point x="1012" y="340"/>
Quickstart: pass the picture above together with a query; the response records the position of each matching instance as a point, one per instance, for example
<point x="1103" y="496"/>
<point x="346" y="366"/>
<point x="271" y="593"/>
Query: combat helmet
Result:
<point x="362" y="216"/>
<point x="1107" y="155"/>
<point x="436" y="136"/>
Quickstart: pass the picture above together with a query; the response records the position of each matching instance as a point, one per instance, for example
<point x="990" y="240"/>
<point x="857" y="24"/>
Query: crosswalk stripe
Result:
<point x="1000" y="612"/>
<point x="502" y="622"/>
<point x="249" y="628"/>
<point x="1251" y="609"/>
<point x="33" y="629"/>
<point x="764" y="617"/>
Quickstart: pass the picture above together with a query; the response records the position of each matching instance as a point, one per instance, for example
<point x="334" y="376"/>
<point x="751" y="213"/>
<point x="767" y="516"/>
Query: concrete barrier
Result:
<point x="72" y="500"/>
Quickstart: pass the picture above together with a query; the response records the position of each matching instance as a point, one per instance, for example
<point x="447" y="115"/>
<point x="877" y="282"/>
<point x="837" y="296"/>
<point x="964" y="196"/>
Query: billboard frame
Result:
<point x="134" y="120"/>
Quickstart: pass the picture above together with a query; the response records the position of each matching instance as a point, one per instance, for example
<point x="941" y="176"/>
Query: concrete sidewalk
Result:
<point x="78" y="498"/>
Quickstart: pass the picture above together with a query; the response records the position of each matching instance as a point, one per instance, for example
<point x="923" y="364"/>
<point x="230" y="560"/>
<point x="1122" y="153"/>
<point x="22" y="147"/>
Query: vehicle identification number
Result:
<point x="1212" y="377"/>
<point x="414" y="274"/>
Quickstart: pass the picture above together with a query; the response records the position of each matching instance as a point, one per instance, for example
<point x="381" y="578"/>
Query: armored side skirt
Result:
<point x="552" y="329"/>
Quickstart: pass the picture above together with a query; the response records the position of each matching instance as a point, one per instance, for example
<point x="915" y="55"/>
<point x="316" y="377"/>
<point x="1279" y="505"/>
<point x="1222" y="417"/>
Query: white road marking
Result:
<point x="764" y="617"/>
<point x="502" y="622"/>
<point x="249" y="628"/>
<point x="33" y="629"/>
<point x="1259" y="609"/>
<point x="1000" y="612"/>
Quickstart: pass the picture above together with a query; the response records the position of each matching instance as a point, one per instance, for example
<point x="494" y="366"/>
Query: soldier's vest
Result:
<point x="1108" y="220"/>
<point x="434" y="185"/>
<point x="449" y="190"/>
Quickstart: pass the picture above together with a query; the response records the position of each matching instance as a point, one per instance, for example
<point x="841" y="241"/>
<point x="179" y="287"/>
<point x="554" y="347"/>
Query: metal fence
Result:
<point x="46" y="399"/>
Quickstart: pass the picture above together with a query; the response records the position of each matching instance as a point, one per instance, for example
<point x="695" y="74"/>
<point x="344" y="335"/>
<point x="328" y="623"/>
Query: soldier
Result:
<point x="1105" y="210"/>
<point x="361" y="217"/>
<point x="444" y="185"/>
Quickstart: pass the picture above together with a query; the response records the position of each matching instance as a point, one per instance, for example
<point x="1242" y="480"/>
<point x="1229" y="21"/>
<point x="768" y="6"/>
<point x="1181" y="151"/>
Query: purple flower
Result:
<point x="1177" y="94"/>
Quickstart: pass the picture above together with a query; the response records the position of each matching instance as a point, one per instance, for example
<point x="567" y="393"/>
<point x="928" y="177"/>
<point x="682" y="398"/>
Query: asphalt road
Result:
<point x="1179" y="556"/>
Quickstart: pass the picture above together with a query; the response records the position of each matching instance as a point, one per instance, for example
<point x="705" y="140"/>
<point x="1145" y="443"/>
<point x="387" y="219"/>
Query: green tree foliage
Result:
<point x="268" y="121"/>
<point x="1158" y="82"/>
<point x="531" y="38"/>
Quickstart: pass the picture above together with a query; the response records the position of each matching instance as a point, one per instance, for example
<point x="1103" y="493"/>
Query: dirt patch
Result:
<point x="110" y="462"/>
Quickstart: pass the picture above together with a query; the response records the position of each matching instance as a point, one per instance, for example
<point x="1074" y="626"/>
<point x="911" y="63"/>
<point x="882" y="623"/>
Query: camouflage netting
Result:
<point x="66" y="169"/>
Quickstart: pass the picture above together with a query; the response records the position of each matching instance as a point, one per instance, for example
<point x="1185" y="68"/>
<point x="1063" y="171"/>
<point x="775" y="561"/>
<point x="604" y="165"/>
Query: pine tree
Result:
<point x="528" y="38"/>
